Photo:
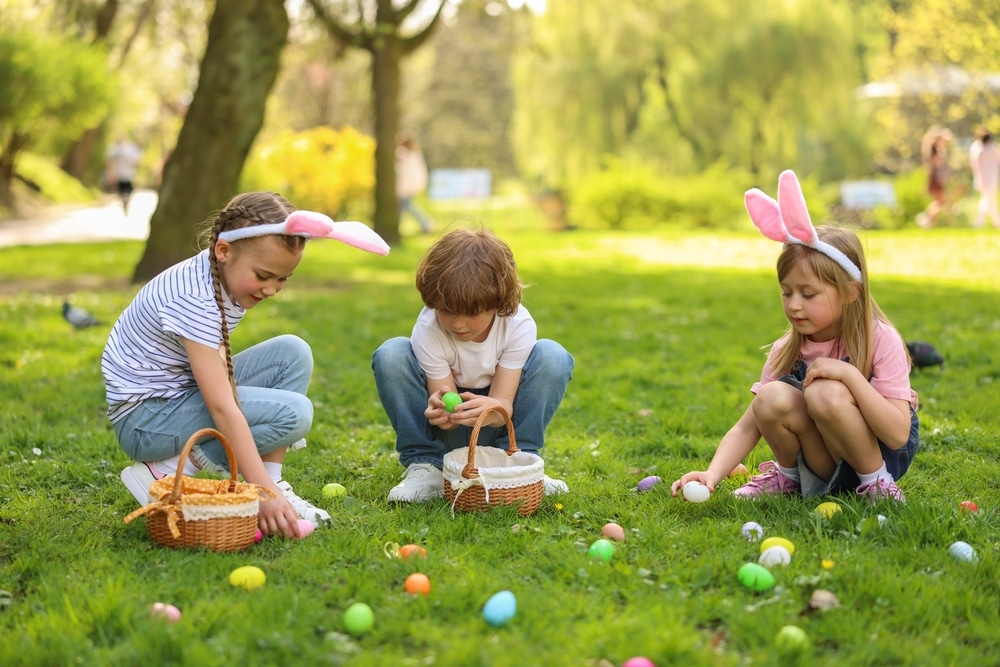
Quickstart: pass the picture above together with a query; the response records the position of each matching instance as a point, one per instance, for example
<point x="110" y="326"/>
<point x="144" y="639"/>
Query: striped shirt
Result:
<point x="145" y="356"/>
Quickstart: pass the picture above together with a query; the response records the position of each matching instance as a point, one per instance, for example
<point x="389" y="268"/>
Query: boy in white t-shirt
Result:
<point x="472" y="337"/>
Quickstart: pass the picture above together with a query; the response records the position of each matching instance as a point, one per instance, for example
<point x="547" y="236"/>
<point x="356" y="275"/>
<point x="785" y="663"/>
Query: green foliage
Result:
<point x="52" y="87"/>
<point x="53" y="183"/>
<point x="321" y="169"/>
<point x="666" y="330"/>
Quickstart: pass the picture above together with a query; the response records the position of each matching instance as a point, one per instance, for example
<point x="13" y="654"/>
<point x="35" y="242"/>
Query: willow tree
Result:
<point x="382" y="28"/>
<point x="241" y="62"/>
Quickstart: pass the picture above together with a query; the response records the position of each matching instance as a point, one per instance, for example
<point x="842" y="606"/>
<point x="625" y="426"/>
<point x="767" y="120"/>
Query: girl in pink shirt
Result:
<point x="834" y="401"/>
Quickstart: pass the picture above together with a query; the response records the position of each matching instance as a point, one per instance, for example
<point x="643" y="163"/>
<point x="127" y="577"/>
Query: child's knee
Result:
<point x="826" y="399"/>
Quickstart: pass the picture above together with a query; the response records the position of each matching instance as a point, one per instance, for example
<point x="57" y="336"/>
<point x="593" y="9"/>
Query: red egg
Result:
<point x="968" y="506"/>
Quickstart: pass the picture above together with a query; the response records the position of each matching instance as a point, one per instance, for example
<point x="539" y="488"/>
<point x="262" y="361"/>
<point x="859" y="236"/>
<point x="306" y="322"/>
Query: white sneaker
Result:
<point x="306" y="510"/>
<point x="422" y="482"/>
<point x="554" y="487"/>
<point x="137" y="478"/>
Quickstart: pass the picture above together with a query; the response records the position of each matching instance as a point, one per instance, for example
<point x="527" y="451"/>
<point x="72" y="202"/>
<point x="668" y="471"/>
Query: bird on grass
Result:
<point x="78" y="317"/>
<point x="923" y="354"/>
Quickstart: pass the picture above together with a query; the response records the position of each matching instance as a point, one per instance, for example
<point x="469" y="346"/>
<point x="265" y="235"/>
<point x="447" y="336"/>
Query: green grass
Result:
<point x="667" y="332"/>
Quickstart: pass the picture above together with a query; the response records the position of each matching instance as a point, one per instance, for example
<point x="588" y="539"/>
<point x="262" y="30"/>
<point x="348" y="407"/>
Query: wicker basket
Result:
<point x="218" y="514"/>
<point x="478" y="479"/>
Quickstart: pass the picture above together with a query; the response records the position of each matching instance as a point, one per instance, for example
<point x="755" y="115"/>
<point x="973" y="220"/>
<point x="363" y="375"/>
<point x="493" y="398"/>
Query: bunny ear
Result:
<point x="766" y="215"/>
<point x="793" y="208"/>
<point x="319" y="226"/>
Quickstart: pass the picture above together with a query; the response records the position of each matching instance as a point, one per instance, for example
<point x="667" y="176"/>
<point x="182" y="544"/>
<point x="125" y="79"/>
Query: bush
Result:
<point x="630" y="196"/>
<point x="321" y="169"/>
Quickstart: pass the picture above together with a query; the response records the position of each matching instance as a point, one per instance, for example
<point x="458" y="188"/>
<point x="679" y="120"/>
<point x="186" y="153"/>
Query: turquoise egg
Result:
<point x="500" y="608"/>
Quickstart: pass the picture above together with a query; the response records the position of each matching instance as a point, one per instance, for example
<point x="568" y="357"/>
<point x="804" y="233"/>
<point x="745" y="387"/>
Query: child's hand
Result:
<point x="278" y="517"/>
<point x="436" y="414"/>
<point x="696" y="476"/>
<point x="827" y="369"/>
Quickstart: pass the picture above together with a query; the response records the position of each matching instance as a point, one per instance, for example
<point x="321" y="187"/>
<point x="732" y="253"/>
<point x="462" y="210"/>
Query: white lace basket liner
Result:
<point x="217" y="513"/>
<point x="507" y="475"/>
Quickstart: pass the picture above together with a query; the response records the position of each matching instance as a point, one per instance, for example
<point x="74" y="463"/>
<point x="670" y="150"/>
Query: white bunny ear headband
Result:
<point x="314" y="225"/>
<point x="787" y="220"/>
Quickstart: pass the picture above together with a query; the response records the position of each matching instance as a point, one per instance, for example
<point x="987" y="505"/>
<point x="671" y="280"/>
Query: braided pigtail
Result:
<point x="220" y="223"/>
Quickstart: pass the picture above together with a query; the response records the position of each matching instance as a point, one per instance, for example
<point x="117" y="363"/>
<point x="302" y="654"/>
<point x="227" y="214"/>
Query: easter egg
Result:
<point x="827" y="510"/>
<point x="695" y="492"/>
<point x="613" y="531"/>
<point x="752" y="531"/>
<point x="871" y="523"/>
<point x="417" y="584"/>
<point x="334" y="490"/>
<point x="165" y="611"/>
<point x="968" y="506"/>
<point x="359" y="619"/>
<point x="775" y="542"/>
<point x="248" y="577"/>
<point x="646" y="483"/>
<point x="776" y="555"/>
<point x="755" y="577"/>
<point x="257" y="536"/>
<point x="408" y="551"/>
<point x="638" y="661"/>
<point x="500" y="608"/>
<point x="451" y="401"/>
<point x="306" y="529"/>
<point x="602" y="549"/>
<point x="791" y="639"/>
<point x="963" y="551"/>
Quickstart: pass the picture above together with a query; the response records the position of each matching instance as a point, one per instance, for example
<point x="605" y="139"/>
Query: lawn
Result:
<point x="667" y="330"/>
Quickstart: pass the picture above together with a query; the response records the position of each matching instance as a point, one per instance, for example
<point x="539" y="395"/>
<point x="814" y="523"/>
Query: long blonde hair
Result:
<point x="860" y="311"/>
<point x="244" y="210"/>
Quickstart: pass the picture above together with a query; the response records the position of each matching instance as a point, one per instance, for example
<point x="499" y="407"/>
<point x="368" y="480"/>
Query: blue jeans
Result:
<point x="271" y="382"/>
<point x="407" y="205"/>
<point x="402" y="388"/>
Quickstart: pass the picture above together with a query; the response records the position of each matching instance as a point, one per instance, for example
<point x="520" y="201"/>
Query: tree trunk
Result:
<point x="245" y="39"/>
<point x="386" y="57"/>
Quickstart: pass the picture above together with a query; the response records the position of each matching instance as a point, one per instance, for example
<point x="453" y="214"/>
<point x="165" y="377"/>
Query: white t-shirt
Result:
<point x="124" y="157"/>
<point x="145" y="357"/>
<point x="508" y="345"/>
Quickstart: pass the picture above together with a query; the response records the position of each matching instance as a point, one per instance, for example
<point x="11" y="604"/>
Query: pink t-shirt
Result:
<point x="890" y="364"/>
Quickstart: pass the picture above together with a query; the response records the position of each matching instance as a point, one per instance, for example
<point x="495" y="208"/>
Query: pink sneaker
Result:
<point x="881" y="489"/>
<point x="769" y="482"/>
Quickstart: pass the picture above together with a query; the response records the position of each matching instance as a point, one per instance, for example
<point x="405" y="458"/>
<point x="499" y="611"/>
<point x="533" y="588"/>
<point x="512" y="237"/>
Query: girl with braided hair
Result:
<point x="169" y="368"/>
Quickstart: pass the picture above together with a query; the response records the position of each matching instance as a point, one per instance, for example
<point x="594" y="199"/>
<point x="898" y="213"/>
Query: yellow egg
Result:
<point x="827" y="564"/>
<point x="248" y="576"/>
<point x="827" y="509"/>
<point x="777" y="542"/>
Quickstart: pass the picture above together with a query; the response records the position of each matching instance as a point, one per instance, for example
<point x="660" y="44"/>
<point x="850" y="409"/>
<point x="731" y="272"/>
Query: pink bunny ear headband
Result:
<point x="314" y="225"/>
<point x="787" y="220"/>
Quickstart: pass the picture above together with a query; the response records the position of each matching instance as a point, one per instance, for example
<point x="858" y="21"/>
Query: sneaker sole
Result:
<point x="414" y="498"/>
<point x="134" y="486"/>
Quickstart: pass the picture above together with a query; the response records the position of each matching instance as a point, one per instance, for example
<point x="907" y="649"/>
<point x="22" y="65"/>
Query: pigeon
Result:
<point x="78" y="317"/>
<point x="923" y="354"/>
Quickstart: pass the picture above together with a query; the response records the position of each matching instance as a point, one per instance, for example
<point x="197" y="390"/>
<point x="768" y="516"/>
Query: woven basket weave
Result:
<point x="479" y="479"/>
<point x="218" y="514"/>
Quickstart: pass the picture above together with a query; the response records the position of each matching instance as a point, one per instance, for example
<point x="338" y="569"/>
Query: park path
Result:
<point x="103" y="222"/>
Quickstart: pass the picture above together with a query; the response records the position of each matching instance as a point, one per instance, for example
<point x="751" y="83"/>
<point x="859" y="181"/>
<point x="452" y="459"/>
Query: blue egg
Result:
<point x="500" y="608"/>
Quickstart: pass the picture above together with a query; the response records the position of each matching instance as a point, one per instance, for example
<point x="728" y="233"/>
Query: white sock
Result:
<point x="791" y="473"/>
<point x="169" y="466"/>
<point x="274" y="470"/>
<point x="870" y="477"/>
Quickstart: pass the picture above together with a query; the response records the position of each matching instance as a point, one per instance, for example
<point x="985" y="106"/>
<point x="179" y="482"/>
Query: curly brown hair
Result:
<point x="468" y="272"/>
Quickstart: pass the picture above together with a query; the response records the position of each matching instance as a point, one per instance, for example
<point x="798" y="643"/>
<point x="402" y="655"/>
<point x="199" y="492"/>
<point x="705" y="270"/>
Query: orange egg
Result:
<point x="613" y="531"/>
<point x="408" y="551"/>
<point x="417" y="584"/>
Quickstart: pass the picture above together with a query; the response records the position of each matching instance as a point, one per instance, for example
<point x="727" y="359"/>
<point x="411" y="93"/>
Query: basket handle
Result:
<point x="470" y="470"/>
<point x="188" y="446"/>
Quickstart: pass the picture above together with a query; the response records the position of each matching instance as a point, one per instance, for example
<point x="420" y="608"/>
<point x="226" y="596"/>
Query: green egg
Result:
<point x="755" y="577"/>
<point x="359" y="619"/>
<point x="451" y="401"/>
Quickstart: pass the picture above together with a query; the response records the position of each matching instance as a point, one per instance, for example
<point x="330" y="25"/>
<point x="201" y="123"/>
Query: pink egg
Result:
<point x="166" y="611"/>
<point x="638" y="661"/>
<point x="306" y="529"/>
<point x="613" y="531"/>
<point x="257" y="536"/>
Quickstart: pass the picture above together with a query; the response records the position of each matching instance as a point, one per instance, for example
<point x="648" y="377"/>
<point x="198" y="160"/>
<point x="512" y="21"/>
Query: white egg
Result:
<point x="752" y="531"/>
<point x="963" y="551"/>
<point x="776" y="555"/>
<point x="696" y="492"/>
